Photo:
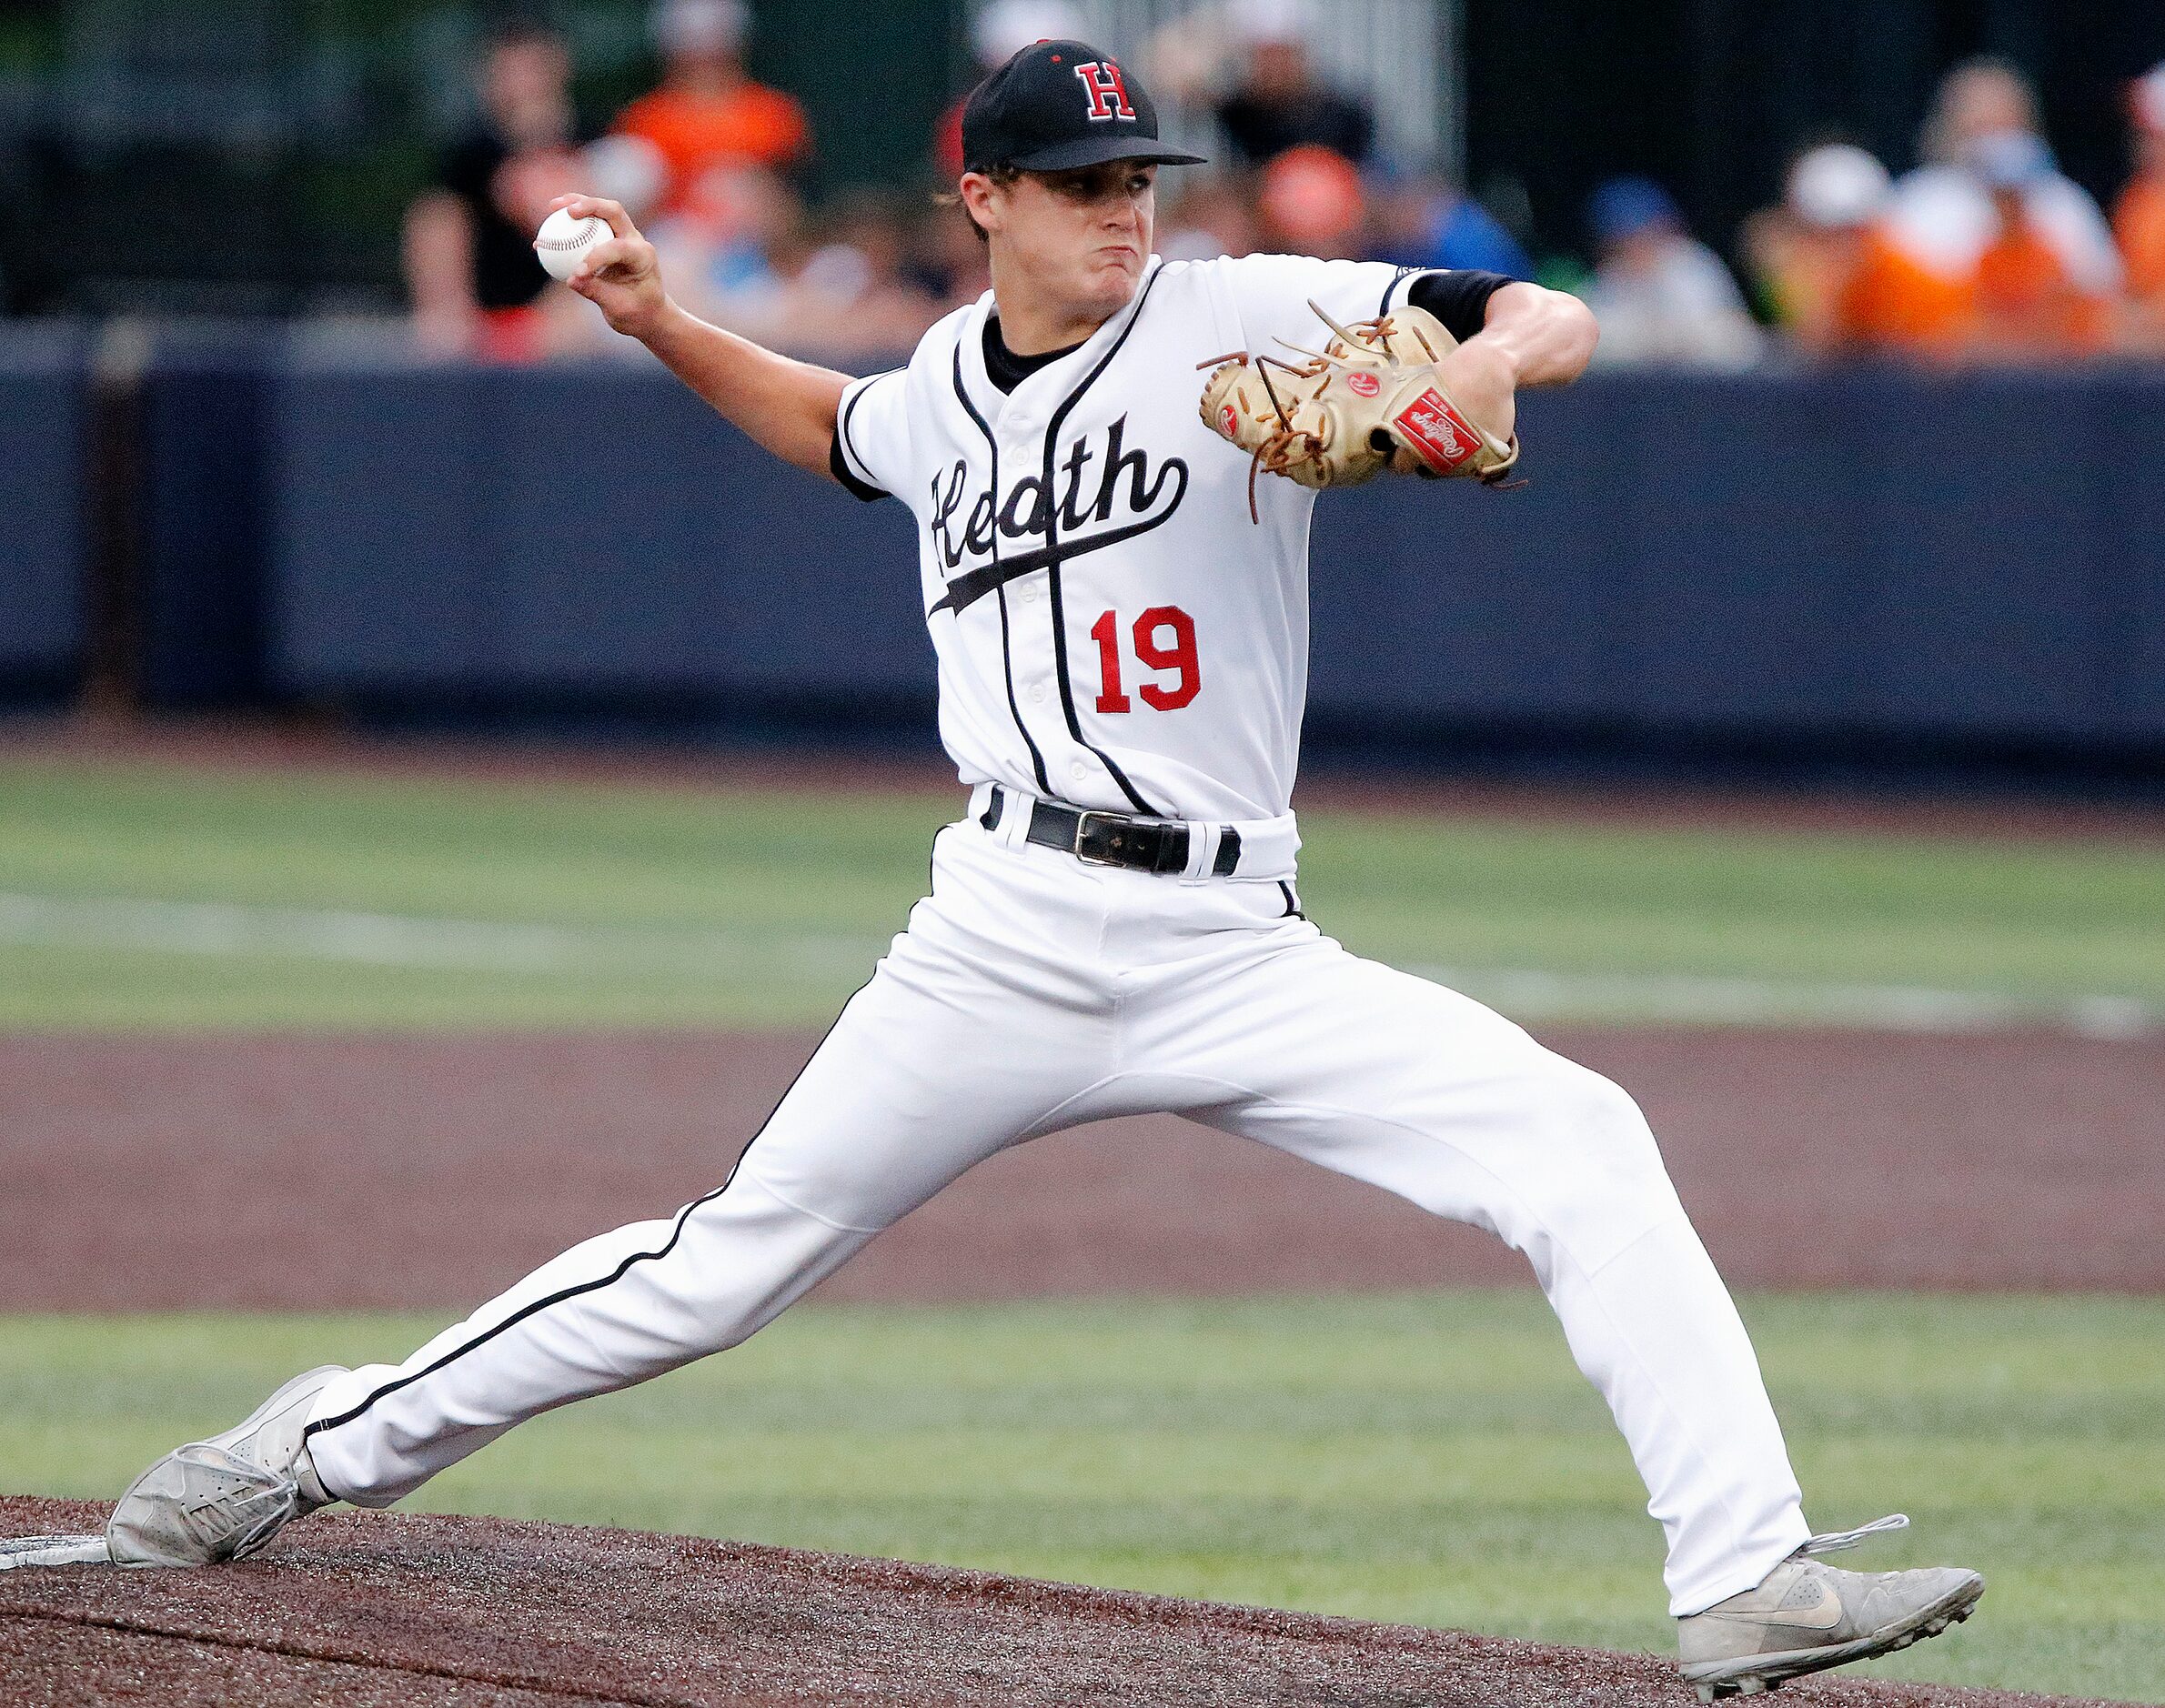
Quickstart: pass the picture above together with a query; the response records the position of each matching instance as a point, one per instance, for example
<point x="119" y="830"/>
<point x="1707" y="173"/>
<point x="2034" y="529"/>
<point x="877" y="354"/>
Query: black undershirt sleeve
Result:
<point x="1460" y="300"/>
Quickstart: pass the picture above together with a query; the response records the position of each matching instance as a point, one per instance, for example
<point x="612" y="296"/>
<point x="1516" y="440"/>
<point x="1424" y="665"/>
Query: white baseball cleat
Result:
<point x="1803" y="1617"/>
<point x="223" y="1498"/>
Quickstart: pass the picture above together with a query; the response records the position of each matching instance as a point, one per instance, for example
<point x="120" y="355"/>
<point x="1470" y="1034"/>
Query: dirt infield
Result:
<point x="430" y="1171"/>
<point x="367" y="1608"/>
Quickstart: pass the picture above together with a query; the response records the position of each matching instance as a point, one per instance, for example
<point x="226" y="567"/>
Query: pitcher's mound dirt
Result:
<point x="368" y="1607"/>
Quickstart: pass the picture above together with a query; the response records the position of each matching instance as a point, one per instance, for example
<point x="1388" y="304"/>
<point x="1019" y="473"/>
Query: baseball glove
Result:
<point x="1368" y="401"/>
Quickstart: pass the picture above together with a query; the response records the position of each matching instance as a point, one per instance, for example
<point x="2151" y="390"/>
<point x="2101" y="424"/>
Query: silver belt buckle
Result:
<point x="1082" y="825"/>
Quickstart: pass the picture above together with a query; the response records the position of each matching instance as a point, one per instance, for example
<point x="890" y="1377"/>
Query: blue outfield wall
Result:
<point x="204" y="516"/>
<point x="489" y="534"/>
<point x="1862" y="558"/>
<point x="45" y="535"/>
<point x="1978" y="559"/>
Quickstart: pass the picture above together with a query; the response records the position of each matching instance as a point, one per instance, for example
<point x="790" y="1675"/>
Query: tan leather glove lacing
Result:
<point x="1369" y="400"/>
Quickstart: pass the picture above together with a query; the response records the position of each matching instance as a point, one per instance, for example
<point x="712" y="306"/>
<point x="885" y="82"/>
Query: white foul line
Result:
<point x="392" y="939"/>
<point x="389" y="940"/>
<point x="1694" y="998"/>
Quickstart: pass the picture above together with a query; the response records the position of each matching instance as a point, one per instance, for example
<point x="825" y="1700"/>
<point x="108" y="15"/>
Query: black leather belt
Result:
<point x="1114" y="839"/>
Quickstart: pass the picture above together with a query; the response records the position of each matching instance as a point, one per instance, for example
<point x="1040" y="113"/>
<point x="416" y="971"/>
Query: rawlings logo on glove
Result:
<point x="1438" y="434"/>
<point x="1367" y="401"/>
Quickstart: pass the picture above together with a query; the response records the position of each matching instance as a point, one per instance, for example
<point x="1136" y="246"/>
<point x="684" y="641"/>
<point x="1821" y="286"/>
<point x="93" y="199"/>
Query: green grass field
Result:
<point x="1435" y="1458"/>
<point x="149" y="896"/>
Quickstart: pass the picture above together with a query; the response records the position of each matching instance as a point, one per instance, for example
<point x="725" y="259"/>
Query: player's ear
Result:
<point x="980" y="200"/>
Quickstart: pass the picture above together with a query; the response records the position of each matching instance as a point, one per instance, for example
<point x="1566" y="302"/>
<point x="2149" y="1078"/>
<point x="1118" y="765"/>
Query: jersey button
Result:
<point x="1079" y="771"/>
<point x="1037" y="693"/>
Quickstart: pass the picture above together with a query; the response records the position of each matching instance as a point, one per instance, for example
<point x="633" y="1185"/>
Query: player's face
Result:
<point x="1077" y="239"/>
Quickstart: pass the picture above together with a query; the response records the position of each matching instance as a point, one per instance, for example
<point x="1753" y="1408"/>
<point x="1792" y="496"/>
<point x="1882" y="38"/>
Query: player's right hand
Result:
<point x="622" y="277"/>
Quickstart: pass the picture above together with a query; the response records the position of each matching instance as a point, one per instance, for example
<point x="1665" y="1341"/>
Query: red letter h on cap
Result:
<point x="1108" y="90"/>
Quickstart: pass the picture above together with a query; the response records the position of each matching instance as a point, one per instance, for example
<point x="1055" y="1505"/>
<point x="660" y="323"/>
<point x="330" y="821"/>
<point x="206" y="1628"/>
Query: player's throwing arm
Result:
<point x="786" y="405"/>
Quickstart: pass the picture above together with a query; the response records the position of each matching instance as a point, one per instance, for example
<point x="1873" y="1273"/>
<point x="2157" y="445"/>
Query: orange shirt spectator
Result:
<point x="708" y="112"/>
<point x="1890" y="302"/>
<point x="2027" y="302"/>
<point x="2138" y="222"/>
<point x="1843" y="283"/>
<point x="749" y="124"/>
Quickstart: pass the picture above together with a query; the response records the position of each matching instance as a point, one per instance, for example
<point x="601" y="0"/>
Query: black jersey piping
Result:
<point x="1007" y="661"/>
<point x="1067" y="697"/>
<point x="621" y="1270"/>
<point x="1391" y="290"/>
<point x="841" y="433"/>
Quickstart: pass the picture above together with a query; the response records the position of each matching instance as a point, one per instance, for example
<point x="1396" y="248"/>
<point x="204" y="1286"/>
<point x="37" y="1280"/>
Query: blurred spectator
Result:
<point x="854" y="290"/>
<point x="627" y="169"/>
<point x="708" y="112"/>
<point x="949" y="261"/>
<point x="470" y="262"/>
<point x="2139" y="221"/>
<point x="2030" y="302"/>
<point x="1662" y="295"/>
<point x="1309" y="201"/>
<point x="1000" y="32"/>
<point x="741" y="254"/>
<point x="1428" y="223"/>
<point x="1247" y="61"/>
<point x="1945" y="214"/>
<point x="1835" y="279"/>
<point x="1211" y="218"/>
<point x="1279" y="102"/>
<point x="716" y="243"/>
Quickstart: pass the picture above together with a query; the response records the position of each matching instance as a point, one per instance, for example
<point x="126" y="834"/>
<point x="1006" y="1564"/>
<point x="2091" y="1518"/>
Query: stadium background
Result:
<point x="441" y="799"/>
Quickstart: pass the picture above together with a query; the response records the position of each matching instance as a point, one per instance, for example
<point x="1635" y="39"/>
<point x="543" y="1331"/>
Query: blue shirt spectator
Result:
<point x="1663" y="296"/>
<point x="1444" y="227"/>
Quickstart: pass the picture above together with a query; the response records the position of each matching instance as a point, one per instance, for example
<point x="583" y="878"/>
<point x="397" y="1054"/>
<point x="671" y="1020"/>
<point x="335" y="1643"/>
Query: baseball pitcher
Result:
<point x="1112" y="461"/>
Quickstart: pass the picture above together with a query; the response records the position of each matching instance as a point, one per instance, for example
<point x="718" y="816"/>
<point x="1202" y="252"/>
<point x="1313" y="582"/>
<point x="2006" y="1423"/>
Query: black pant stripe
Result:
<point x="610" y="1279"/>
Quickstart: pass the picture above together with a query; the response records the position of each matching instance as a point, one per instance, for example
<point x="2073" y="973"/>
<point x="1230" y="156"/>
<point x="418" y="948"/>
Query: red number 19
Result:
<point x="1180" y="657"/>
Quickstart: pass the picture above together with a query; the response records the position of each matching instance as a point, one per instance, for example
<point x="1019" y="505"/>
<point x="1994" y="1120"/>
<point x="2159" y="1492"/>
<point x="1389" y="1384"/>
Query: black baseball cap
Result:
<point x="1058" y="105"/>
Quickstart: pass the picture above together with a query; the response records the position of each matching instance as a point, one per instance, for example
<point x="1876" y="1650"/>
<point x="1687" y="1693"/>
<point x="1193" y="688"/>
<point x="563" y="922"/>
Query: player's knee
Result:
<point x="1599" y="1134"/>
<point x="1589" y="1179"/>
<point x="1606" y="1112"/>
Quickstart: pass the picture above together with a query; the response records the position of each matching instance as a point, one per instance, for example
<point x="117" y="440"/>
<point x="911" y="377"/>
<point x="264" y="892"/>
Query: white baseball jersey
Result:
<point x="1111" y="628"/>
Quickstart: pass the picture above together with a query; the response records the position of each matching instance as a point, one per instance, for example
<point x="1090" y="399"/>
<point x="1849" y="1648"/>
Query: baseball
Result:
<point x="562" y="240"/>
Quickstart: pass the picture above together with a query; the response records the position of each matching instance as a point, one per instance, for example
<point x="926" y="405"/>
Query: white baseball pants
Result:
<point x="1033" y="992"/>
